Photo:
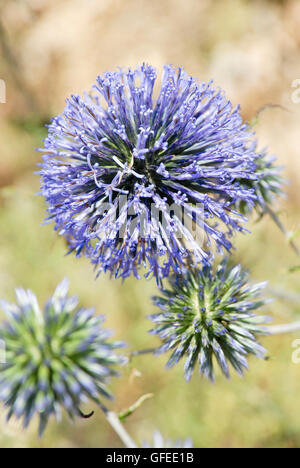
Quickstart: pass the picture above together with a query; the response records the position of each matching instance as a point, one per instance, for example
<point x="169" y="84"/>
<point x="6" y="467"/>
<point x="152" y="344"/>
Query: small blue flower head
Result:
<point x="208" y="316"/>
<point x="129" y="169"/>
<point x="160" y="442"/>
<point x="55" y="359"/>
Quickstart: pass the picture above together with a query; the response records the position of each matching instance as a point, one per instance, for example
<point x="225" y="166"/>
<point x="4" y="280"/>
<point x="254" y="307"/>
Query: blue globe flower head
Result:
<point x="267" y="185"/>
<point x="132" y="168"/>
<point x="208" y="317"/>
<point x="56" y="358"/>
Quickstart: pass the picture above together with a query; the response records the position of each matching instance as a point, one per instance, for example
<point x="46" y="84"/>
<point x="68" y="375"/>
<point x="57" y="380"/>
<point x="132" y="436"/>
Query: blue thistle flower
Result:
<point x="160" y="442"/>
<point x="116" y="154"/>
<point x="208" y="315"/>
<point x="58" y="358"/>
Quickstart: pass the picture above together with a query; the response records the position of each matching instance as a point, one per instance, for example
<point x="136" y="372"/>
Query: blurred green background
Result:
<point x="50" y="49"/>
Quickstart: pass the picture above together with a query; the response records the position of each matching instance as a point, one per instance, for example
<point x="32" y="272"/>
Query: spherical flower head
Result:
<point x="55" y="359"/>
<point x="160" y="442"/>
<point x="129" y="169"/>
<point x="208" y="316"/>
